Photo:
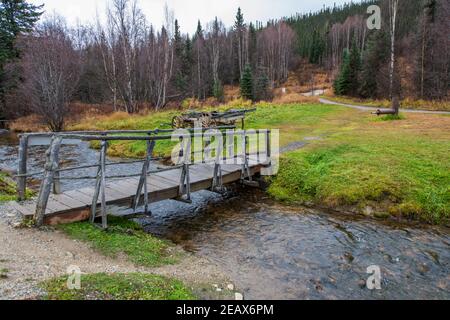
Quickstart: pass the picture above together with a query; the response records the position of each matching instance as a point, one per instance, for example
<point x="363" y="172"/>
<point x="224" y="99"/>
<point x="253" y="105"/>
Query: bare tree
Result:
<point x="393" y="11"/>
<point x="128" y="25"/>
<point x="168" y="55"/>
<point x="105" y="39"/>
<point x="275" y="45"/>
<point x="217" y="31"/>
<point x="51" y="65"/>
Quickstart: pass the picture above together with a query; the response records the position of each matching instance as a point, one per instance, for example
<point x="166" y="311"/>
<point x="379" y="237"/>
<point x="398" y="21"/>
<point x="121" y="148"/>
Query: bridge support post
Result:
<point x="217" y="184"/>
<point x="22" y="171"/>
<point x="56" y="178"/>
<point x="245" y="173"/>
<point x="100" y="190"/>
<point x="143" y="180"/>
<point x="46" y="185"/>
<point x="185" y="180"/>
<point x="185" y="184"/>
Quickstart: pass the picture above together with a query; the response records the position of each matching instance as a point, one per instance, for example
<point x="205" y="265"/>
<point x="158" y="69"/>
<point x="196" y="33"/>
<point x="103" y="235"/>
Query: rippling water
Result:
<point x="277" y="252"/>
<point x="70" y="155"/>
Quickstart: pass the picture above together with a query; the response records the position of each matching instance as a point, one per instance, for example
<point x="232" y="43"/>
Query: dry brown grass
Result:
<point x="231" y="93"/>
<point x="293" y="97"/>
<point x="30" y="123"/>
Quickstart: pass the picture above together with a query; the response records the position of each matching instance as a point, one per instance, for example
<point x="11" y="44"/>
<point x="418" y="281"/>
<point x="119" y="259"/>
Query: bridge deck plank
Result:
<point x="75" y="204"/>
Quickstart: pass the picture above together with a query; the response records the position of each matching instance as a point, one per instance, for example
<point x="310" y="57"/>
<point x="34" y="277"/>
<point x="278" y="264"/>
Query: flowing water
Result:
<point x="272" y="251"/>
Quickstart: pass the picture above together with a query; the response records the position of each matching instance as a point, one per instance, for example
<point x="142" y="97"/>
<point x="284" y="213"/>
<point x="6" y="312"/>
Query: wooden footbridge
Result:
<point x="138" y="190"/>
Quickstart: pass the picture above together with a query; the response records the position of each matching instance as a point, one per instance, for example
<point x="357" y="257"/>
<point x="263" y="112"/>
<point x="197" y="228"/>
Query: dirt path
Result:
<point x="29" y="256"/>
<point x="366" y="108"/>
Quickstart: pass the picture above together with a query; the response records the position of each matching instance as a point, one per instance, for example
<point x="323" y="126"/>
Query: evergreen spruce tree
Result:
<point x="317" y="48"/>
<point x="341" y="84"/>
<point x="187" y="60"/>
<point x="199" y="31"/>
<point x="218" y="91"/>
<point x="262" y="86"/>
<point x="374" y="56"/>
<point x="240" y="34"/>
<point x="355" y="69"/>
<point x="347" y="83"/>
<point x="247" y="83"/>
<point x="252" y="45"/>
<point x="16" y="17"/>
<point x="180" y="79"/>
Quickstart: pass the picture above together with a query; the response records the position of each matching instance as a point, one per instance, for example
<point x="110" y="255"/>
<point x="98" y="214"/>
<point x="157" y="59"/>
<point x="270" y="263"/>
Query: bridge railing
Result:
<point x="51" y="173"/>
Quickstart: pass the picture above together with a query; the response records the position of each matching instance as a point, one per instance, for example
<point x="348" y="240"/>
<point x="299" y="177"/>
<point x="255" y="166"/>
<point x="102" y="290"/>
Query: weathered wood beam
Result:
<point x="103" y="185"/>
<point x="47" y="181"/>
<point x="22" y="170"/>
<point x="143" y="179"/>
<point x="380" y="112"/>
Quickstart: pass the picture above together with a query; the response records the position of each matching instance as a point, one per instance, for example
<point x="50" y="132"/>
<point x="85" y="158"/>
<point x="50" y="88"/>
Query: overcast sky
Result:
<point x="189" y="11"/>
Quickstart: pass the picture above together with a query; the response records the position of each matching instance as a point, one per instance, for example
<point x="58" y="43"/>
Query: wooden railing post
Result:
<point x="22" y="170"/>
<point x="185" y="179"/>
<point x="47" y="181"/>
<point x="103" y="185"/>
<point x="217" y="184"/>
<point x="56" y="178"/>
<point x="269" y="147"/>
<point x="143" y="180"/>
<point x="100" y="186"/>
<point x="245" y="172"/>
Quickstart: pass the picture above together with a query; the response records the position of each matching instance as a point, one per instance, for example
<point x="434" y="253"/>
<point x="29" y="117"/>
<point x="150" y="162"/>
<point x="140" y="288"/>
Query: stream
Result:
<point x="272" y="251"/>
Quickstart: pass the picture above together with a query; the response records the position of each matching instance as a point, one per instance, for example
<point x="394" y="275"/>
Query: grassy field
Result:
<point x="124" y="237"/>
<point x="401" y="168"/>
<point x="135" y="286"/>
<point x="356" y="161"/>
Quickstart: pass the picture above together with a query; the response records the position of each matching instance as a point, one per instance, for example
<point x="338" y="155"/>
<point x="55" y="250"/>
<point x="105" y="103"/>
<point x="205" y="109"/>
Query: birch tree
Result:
<point x="393" y="11"/>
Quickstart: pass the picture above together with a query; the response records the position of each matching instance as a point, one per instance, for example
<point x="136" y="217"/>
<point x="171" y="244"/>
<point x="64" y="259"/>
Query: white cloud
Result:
<point x="188" y="12"/>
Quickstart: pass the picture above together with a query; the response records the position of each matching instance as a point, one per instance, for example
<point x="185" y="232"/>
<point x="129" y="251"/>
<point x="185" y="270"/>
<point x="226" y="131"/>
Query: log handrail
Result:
<point x="52" y="171"/>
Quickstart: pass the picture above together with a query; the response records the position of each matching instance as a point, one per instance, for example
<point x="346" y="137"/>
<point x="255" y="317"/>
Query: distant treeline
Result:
<point x="422" y="44"/>
<point x="127" y="62"/>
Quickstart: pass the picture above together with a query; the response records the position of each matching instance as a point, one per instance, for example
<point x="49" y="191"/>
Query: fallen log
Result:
<point x="380" y="112"/>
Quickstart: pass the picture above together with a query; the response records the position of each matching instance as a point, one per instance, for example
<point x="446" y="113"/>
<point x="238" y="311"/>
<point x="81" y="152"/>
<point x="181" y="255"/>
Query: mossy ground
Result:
<point x="124" y="237"/>
<point x="8" y="190"/>
<point x="133" y="286"/>
<point x="401" y="166"/>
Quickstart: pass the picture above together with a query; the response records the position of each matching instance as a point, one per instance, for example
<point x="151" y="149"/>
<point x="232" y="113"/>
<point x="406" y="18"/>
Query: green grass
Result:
<point x="8" y="190"/>
<point x="134" y="286"/>
<point x="391" y="117"/>
<point x="3" y="273"/>
<point x="407" y="174"/>
<point x="124" y="237"/>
